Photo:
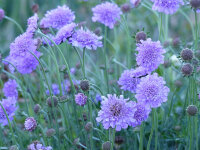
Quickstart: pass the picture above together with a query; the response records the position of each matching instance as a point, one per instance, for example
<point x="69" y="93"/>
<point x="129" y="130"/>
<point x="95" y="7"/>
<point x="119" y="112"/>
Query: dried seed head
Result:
<point x="192" y="110"/>
<point x="89" y="126"/>
<point x="140" y="36"/>
<point x="37" y="108"/>
<point x="195" y="4"/>
<point x="187" y="69"/>
<point x="50" y="132"/>
<point x="54" y="99"/>
<point x="85" y="85"/>
<point x="187" y="54"/>
<point x="106" y="146"/>
<point x="125" y="8"/>
<point x="2" y="14"/>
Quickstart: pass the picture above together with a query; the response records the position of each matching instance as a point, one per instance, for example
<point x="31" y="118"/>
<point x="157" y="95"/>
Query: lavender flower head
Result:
<point x="64" y="33"/>
<point x="58" y="17"/>
<point x="32" y="24"/>
<point x="9" y="105"/>
<point x="106" y="13"/>
<point x="167" y="6"/>
<point x="150" y="54"/>
<point x="30" y="124"/>
<point x="20" y="56"/>
<point x="85" y="39"/>
<point x="2" y="14"/>
<point x="116" y="112"/>
<point x="130" y="78"/>
<point x="80" y="99"/>
<point x="37" y="146"/>
<point x="10" y="89"/>
<point x="152" y="91"/>
<point x="141" y="114"/>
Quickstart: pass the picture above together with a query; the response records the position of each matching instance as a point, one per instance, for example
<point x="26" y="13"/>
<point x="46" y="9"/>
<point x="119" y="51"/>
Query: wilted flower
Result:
<point x="150" y="54"/>
<point x="32" y="24"/>
<point x="167" y="6"/>
<point x="116" y="112"/>
<point x="106" y="13"/>
<point x="9" y="105"/>
<point x="10" y="89"/>
<point x="58" y="17"/>
<point x="64" y="33"/>
<point x="152" y="91"/>
<point x="141" y="114"/>
<point x="80" y="99"/>
<point x="85" y="39"/>
<point x="2" y="14"/>
<point x="30" y="124"/>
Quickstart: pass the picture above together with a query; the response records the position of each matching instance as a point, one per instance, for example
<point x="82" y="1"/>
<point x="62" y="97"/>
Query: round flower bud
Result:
<point x="88" y="126"/>
<point x="14" y="147"/>
<point x="187" y="69"/>
<point x="187" y="54"/>
<point x="37" y="108"/>
<point x="195" y="62"/>
<point x="62" y="130"/>
<point x="178" y="83"/>
<point x="30" y="124"/>
<point x="195" y="4"/>
<point x="84" y="116"/>
<point x="106" y="146"/>
<point x="85" y="85"/>
<point x="192" y="110"/>
<point x="167" y="63"/>
<point x="2" y="14"/>
<point x="55" y="100"/>
<point x="125" y="8"/>
<point x="119" y="140"/>
<point x="78" y="65"/>
<point x="140" y="36"/>
<point x="197" y="54"/>
<point x="35" y="8"/>
<point x="76" y="141"/>
<point x="98" y="31"/>
<point x="176" y="42"/>
<point x="50" y="132"/>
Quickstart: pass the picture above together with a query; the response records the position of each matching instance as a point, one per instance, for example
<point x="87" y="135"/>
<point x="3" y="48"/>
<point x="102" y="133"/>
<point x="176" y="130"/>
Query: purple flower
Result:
<point x="106" y="13"/>
<point x="135" y="3"/>
<point x="73" y="70"/>
<point x="130" y="78"/>
<point x="9" y="105"/>
<point x="20" y="56"/>
<point x="32" y="24"/>
<point x="141" y="114"/>
<point x="10" y="89"/>
<point x="116" y="112"/>
<point x="152" y="91"/>
<point x="37" y="146"/>
<point x="80" y="99"/>
<point x="85" y="39"/>
<point x="167" y="6"/>
<point x="64" y="33"/>
<point x="55" y="89"/>
<point x="2" y="14"/>
<point x="98" y="98"/>
<point x="150" y="54"/>
<point x="58" y="17"/>
<point x="30" y="124"/>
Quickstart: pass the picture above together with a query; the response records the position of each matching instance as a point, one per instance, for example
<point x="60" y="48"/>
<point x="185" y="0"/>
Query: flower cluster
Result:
<point x="10" y="89"/>
<point x="167" y="6"/>
<point x="37" y="146"/>
<point x="106" y="13"/>
<point x="57" y="18"/>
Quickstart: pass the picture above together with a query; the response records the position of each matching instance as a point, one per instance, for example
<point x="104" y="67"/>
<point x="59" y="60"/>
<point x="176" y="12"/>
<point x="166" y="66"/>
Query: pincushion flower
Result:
<point x="152" y="91"/>
<point x="58" y="17"/>
<point x="64" y="33"/>
<point x="37" y="146"/>
<point x="10" y="89"/>
<point x="32" y="24"/>
<point x="9" y="105"/>
<point x="141" y="114"/>
<point x="130" y="78"/>
<point x="85" y="39"/>
<point x="30" y="124"/>
<point x="80" y="99"/>
<point x="106" y="13"/>
<point x="167" y="6"/>
<point x="150" y="54"/>
<point x="20" y="56"/>
<point x="116" y="112"/>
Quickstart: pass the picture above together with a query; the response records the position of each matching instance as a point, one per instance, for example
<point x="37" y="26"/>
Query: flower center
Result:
<point x="116" y="109"/>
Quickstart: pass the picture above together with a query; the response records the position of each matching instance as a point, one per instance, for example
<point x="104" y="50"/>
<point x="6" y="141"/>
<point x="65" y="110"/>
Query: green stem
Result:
<point x="151" y="134"/>
<point x="105" y="60"/>
<point x="13" y="21"/>
<point x="196" y="30"/>
<point x="156" y="129"/>
<point x="112" y="137"/>
<point x="84" y="63"/>
<point x="160" y="28"/>
<point x="141" y="136"/>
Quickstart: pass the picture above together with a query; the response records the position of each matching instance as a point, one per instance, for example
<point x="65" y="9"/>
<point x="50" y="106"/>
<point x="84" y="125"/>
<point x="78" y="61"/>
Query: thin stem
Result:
<point x="141" y="136"/>
<point x="156" y="129"/>
<point x="196" y="30"/>
<point x="112" y="137"/>
<point x="105" y="60"/>
<point x="160" y="28"/>
<point x="83" y="63"/>
<point x="15" y="22"/>
<point x="151" y="134"/>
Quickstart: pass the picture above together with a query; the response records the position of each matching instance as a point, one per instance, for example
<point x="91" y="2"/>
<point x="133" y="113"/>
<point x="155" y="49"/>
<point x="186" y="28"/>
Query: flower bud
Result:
<point x="177" y="128"/>
<point x="35" y="8"/>
<point x="192" y="110"/>
<point x="140" y="36"/>
<point x="187" y="54"/>
<point x="178" y="83"/>
<point x="119" y="140"/>
<point x="2" y="14"/>
<point x="50" y="132"/>
<point x="106" y="146"/>
<point x="37" y="108"/>
<point x="98" y="31"/>
<point x="167" y="63"/>
<point x="54" y="99"/>
<point x="125" y="8"/>
<point x="187" y="69"/>
<point x="85" y="85"/>
<point x="88" y="126"/>
<point x="195" y="4"/>
<point x="176" y="42"/>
